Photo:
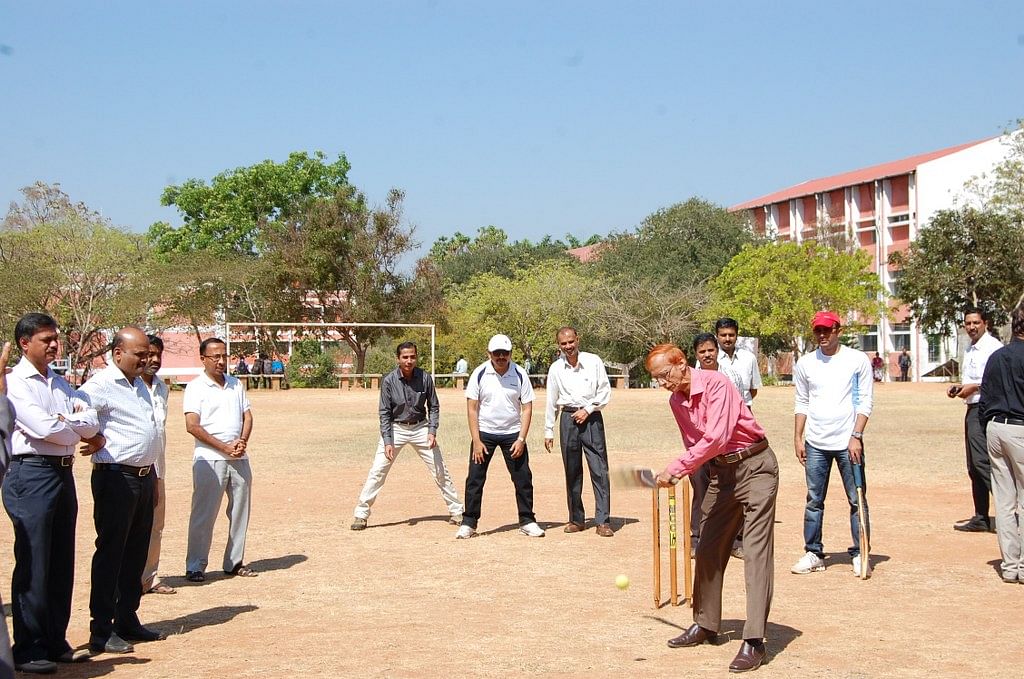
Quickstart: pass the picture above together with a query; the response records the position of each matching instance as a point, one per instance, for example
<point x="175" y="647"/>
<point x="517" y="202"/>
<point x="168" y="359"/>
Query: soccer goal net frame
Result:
<point x="327" y="326"/>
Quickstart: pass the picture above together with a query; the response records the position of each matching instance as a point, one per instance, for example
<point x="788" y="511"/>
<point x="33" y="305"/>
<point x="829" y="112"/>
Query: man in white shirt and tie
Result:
<point x="578" y="388"/>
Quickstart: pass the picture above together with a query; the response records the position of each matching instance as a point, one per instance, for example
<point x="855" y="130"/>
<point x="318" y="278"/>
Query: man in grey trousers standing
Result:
<point x="218" y="416"/>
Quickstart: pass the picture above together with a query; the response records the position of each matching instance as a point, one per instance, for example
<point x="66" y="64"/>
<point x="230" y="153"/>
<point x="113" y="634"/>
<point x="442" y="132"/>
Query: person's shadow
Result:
<point x="218" y="615"/>
<point x="617" y="523"/>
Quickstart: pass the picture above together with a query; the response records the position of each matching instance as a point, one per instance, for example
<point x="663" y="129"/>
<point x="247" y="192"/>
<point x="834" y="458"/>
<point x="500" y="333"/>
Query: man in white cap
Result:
<point x="499" y="403"/>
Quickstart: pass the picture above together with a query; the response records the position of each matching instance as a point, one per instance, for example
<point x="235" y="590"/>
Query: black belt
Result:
<point x="55" y="460"/>
<point x="410" y="423"/>
<point x="742" y="454"/>
<point x="125" y="468"/>
<point x="571" y="410"/>
<point x="1008" y="420"/>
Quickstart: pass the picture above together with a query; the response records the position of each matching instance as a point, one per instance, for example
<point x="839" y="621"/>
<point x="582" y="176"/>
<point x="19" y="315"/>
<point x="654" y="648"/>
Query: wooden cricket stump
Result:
<point x="673" y="540"/>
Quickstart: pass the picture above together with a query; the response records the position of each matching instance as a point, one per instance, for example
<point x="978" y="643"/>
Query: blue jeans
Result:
<point x="818" y="467"/>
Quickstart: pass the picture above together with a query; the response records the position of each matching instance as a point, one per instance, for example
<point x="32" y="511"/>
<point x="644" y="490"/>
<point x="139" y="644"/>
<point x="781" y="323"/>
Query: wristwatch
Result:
<point x="859" y="435"/>
<point x="521" y="439"/>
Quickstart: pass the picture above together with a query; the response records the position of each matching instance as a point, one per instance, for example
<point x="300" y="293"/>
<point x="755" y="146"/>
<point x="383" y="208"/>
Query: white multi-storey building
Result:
<point x="881" y="209"/>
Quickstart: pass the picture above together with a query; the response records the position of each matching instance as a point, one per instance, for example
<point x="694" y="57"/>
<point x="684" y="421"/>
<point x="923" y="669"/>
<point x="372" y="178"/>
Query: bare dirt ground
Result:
<point x="405" y="599"/>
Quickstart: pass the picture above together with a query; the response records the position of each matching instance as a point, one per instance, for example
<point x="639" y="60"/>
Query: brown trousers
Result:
<point x="741" y="495"/>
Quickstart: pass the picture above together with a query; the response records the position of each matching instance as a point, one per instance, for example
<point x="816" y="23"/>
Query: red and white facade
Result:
<point x="881" y="209"/>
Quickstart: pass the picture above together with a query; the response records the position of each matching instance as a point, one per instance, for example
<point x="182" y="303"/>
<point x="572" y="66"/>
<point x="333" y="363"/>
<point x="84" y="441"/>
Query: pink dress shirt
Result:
<point x="713" y="420"/>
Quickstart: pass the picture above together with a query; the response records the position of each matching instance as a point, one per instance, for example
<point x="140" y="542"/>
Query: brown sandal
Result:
<point x="242" y="572"/>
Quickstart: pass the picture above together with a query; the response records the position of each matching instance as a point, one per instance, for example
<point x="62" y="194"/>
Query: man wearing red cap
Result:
<point x="833" y="403"/>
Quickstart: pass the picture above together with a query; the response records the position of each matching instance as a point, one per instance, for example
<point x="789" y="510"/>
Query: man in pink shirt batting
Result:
<point x="719" y="429"/>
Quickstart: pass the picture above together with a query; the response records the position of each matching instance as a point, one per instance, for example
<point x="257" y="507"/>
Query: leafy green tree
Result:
<point x="458" y="258"/>
<point x="773" y="290"/>
<point x="310" y="366"/>
<point x="1002" y="189"/>
<point x="65" y="259"/>
<point x="963" y="258"/>
<point x="529" y="308"/>
<point x="683" y="244"/>
<point x="234" y="212"/>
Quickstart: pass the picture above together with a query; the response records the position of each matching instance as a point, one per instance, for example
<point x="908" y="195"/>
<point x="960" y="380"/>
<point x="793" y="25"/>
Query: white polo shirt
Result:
<point x="500" y="396"/>
<point x="975" y="358"/>
<point x="743" y="364"/>
<point x="158" y="393"/>
<point x="220" y="411"/>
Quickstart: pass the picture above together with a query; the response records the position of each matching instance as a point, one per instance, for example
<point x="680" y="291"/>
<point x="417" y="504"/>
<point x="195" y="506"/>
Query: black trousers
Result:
<point x="123" y="514"/>
<point x="979" y="466"/>
<point x="40" y="498"/>
<point x="518" y="469"/>
<point x="575" y="440"/>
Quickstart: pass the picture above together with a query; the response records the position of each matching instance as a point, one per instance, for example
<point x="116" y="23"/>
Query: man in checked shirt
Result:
<point x="408" y="416"/>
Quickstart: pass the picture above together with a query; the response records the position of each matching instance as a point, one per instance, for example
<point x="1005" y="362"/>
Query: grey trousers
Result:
<point x="155" y="538"/>
<point x="211" y="479"/>
<point x="1006" y="448"/>
<point x="740" y="494"/>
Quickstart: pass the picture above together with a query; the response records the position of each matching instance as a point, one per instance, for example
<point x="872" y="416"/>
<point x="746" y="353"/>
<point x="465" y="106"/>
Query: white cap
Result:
<point x="499" y="343"/>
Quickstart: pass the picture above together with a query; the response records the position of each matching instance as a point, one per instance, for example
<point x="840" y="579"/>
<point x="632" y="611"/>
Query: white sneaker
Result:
<point x="808" y="563"/>
<point x="465" y="532"/>
<point x="532" y="529"/>
<point x="856" y="565"/>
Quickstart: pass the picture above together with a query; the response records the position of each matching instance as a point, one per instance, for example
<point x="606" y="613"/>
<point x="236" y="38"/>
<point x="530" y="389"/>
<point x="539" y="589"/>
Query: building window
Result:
<point x="868" y="339"/>
<point x="934" y="348"/>
<point x="900" y="336"/>
<point x="895" y="286"/>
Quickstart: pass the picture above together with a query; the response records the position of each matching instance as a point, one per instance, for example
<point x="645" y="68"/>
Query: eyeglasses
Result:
<point x="215" y="357"/>
<point x="663" y="375"/>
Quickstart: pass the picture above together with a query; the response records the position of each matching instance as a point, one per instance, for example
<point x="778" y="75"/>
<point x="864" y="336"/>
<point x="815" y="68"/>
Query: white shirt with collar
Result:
<point x="585" y="386"/>
<point x="220" y="411"/>
<point x="500" y="396"/>
<point x="975" y="358"/>
<point x="728" y="372"/>
<point x="126" y="418"/>
<point x="158" y="393"/>
<point x="45" y="419"/>
<point x="744" y="364"/>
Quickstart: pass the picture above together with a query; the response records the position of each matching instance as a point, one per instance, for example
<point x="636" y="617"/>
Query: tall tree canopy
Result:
<point x="458" y="258"/>
<point x="963" y="258"/>
<point x="773" y="290"/>
<point x="679" y="245"/>
<point x="234" y="211"/>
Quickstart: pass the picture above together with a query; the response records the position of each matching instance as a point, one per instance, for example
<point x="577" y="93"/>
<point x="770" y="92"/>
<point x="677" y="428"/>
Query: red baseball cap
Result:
<point x="825" y="319"/>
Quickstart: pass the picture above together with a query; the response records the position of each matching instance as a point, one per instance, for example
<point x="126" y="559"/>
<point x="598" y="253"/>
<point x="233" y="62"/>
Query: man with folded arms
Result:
<point x="122" y="491"/>
<point x="218" y="416"/>
<point x="40" y="497"/>
<point x="578" y="388"/>
<point x="833" y="403"/>
<point x="718" y="429"/>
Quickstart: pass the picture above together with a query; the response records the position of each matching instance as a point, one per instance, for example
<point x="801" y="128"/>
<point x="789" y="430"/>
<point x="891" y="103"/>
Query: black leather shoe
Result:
<point x="141" y="633"/>
<point x="73" y="656"/>
<point x="36" y="667"/>
<point x="749" y="657"/>
<point x="112" y="644"/>
<point x="695" y="636"/>
<point x="976" y="525"/>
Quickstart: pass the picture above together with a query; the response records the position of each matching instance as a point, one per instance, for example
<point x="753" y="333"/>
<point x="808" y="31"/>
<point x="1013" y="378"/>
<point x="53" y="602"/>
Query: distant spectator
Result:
<point x="277" y="366"/>
<point x="877" y="366"/>
<point x="242" y="368"/>
<point x="904" y="364"/>
<point x="256" y="371"/>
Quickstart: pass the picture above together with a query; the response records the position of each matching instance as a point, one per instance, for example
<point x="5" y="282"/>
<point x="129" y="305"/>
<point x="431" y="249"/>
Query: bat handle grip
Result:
<point x="858" y="475"/>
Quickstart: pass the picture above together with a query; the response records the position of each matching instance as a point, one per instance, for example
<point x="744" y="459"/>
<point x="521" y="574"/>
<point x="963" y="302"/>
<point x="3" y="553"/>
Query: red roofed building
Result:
<point x="880" y="208"/>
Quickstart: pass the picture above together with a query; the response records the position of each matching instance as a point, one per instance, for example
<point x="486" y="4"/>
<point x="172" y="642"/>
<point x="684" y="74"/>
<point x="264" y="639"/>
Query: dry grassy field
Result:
<point x="405" y="599"/>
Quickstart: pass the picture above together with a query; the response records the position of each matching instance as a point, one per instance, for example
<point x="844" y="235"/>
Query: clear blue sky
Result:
<point x="537" y="117"/>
